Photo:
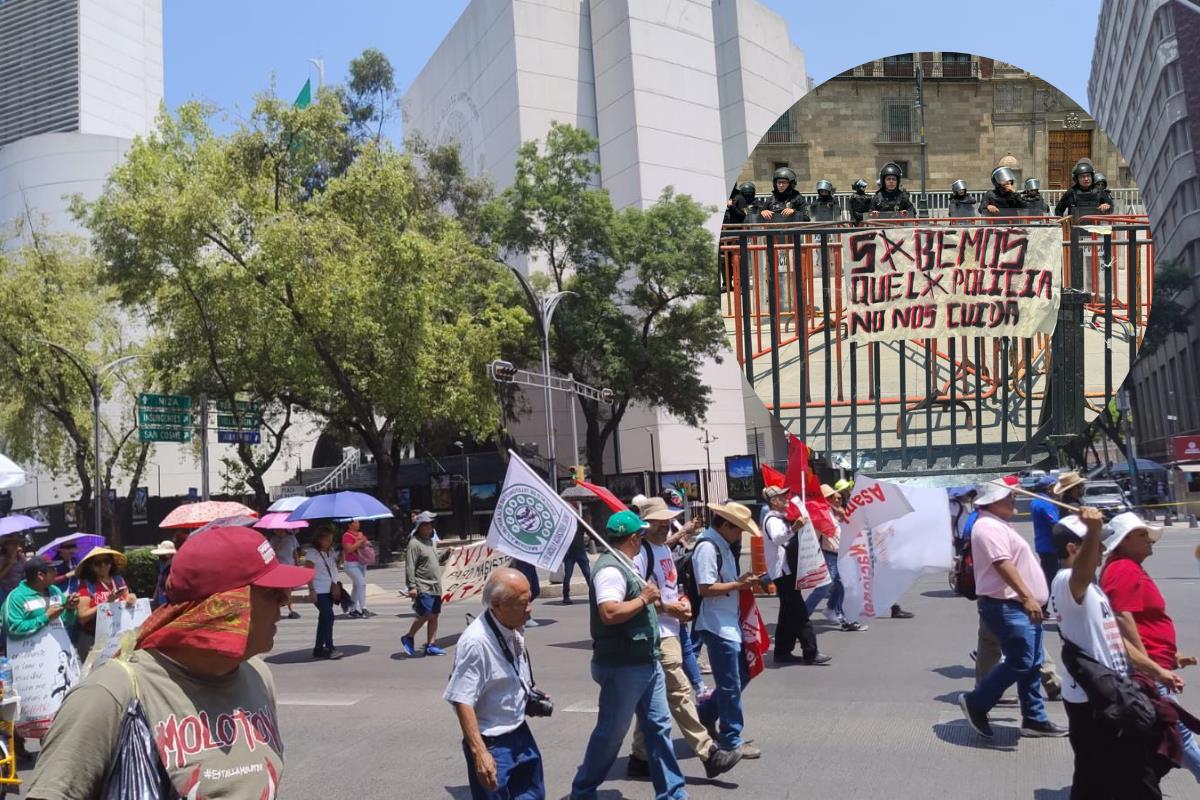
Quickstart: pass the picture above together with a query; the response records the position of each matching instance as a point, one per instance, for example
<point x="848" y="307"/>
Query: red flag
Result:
<point x="756" y="639"/>
<point x="608" y="498"/>
<point x="800" y="477"/>
<point x="773" y="477"/>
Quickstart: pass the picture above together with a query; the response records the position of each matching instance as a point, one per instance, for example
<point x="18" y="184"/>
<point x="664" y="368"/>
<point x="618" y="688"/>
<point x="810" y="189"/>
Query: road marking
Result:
<point x="319" y="699"/>
<point x="583" y="707"/>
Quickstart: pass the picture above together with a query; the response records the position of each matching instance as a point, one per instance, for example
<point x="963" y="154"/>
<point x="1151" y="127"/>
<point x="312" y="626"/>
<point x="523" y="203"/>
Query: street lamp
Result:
<point x="462" y="449"/>
<point x="543" y="306"/>
<point x="93" y="377"/>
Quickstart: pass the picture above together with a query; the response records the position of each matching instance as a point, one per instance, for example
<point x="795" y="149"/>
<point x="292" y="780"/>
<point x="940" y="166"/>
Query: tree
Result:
<point x="645" y="314"/>
<point x="372" y="93"/>
<point x="1167" y="315"/>
<point x="386" y="308"/>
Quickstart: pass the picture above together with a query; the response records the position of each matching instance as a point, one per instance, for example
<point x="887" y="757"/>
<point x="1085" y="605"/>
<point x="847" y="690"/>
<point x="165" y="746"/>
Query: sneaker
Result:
<point x="293" y="615"/>
<point x="434" y="650"/>
<point x="407" y="643"/>
<point x="1041" y="728"/>
<point x="818" y="660"/>
<point x="853" y="626"/>
<point x="367" y="614"/>
<point x="976" y="719"/>
<point x="749" y="751"/>
<point x="831" y="615"/>
<point x="900" y="613"/>
<point x="721" y="761"/>
<point x="354" y="615"/>
<point x="334" y="654"/>
<point x="532" y="623"/>
<point x="566" y="602"/>
<point x="318" y="652"/>
<point x="637" y="767"/>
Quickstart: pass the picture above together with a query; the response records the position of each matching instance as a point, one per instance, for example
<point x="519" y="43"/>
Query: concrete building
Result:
<point x="676" y="93"/>
<point x="1145" y="90"/>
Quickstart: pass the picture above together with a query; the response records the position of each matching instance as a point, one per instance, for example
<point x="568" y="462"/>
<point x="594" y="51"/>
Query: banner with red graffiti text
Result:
<point x="467" y="570"/>
<point x="905" y="283"/>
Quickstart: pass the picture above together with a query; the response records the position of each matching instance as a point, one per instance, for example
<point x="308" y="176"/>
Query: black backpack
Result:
<point x="962" y="570"/>
<point x="687" y="574"/>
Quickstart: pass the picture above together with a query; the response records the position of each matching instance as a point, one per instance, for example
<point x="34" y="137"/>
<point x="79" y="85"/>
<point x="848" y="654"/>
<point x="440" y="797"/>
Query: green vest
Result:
<point x="634" y="641"/>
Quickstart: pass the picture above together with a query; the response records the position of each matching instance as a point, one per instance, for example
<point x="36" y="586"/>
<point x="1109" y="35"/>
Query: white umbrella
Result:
<point x="290" y="503"/>
<point x="11" y="476"/>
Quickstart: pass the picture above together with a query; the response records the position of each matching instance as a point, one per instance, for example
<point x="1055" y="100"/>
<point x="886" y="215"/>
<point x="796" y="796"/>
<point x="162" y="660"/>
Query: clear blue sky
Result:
<point x="223" y="52"/>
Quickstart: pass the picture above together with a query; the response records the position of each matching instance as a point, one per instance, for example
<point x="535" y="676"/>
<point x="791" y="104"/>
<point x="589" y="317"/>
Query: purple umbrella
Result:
<point x="15" y="523"/>
<point x="84" y="543"/>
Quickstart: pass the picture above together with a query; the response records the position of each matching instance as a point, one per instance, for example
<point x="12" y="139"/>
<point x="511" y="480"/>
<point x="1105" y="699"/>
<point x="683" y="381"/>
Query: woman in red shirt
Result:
<point x="100" y="582"/>
<point x="353" y="541"/>
<point x="1142" y="613"/>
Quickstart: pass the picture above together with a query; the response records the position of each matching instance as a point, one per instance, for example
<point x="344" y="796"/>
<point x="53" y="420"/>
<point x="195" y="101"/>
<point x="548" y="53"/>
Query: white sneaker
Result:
<point x="832" y="615"/>
<point x="532" y="623"/>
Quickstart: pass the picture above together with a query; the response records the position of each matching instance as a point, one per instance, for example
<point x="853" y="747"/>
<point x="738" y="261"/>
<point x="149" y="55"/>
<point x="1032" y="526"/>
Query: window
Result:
<point x="778" y="165"/>
<point x="1177" y="142"/>
<point x="903" y="165"/>
<point x="898" y="66"/>
<point x="1009" y="99"/>
<point x="1163" y="26"/>
<point x="782" y="132"/>
<point x="956" y="65"/>
<point x="897" y="120"/>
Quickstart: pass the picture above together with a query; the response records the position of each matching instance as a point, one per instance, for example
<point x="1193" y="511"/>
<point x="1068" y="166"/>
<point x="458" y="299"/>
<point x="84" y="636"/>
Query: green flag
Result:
<point x="304" y="99"/>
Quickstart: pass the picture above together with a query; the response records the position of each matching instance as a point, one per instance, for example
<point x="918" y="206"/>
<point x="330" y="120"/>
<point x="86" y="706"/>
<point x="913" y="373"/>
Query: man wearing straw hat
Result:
<point x="1012" y="591"/>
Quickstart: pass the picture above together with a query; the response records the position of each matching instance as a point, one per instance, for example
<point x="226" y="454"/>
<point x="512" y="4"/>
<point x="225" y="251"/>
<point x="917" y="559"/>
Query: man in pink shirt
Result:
<point x="1012" y="591"/>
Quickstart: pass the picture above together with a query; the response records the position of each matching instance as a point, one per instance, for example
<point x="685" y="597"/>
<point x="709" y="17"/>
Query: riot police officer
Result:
<point x="742" y="206"/>
<point x="826" y="208"/>
<point x="785" y="203"/>
<point x="860" y="201"/>
<point x="1084" y="197"/>
<point x="891" y="198"/>
<point x="1002" y="194"/>
<point x="1033" y="197"/>
<point x="961" y="203"/>
<point x="1102" y="187"/>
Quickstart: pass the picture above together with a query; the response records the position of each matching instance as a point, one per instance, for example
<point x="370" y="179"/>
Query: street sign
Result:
<point x="234" y="437"/>
<point x="164" y="401"/>
<point x="230" y="422"/>
<point x="241" y="405"/>
<point x="165" y="419"/>
<point x="164" y="434"/>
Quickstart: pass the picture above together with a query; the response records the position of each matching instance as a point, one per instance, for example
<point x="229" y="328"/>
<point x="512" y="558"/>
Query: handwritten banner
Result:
<point x="45" y="668"/>
<point x="467" y="570"/>
<point x="903" y="283"/>
<point x="114" y="620"/>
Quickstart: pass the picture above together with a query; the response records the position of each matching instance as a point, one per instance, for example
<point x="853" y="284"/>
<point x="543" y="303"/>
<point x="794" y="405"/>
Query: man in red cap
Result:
<point x="208" y="697"/>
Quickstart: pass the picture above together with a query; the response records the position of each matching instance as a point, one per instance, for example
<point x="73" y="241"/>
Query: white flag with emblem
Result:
<point x="531" y="522"/>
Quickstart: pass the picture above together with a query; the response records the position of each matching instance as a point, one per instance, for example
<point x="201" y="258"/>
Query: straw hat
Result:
<point x="165" y="548"/>
<point x="655" y="509"/>
<point x="118" y="558"/>
<point x="828" y="491"/>
<point x="774" y="491"/>
<point x="1066" y="481"/>
<point x="738" y="514"/>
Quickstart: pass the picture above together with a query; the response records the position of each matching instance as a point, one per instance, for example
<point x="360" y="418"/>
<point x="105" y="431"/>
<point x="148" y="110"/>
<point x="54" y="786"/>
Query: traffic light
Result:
<point x="579" y="472"/>
<point x="503" y="371"/>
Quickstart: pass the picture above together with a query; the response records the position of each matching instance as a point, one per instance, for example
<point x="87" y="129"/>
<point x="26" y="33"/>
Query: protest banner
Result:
<point x="531" y="523"/>
<point x="904" y="283"/>
<point x="45" y="668"/>
<point x="114" y="620"/>
<point x="467" y="570"/>
<point x="756" y="639"/>
<point x="811" y="570"/>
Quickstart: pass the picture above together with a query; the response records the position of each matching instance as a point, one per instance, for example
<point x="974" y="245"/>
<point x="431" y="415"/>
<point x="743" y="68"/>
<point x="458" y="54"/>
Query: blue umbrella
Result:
<point x="1143" y="465"/>
<point x="15" y="523"/>
<point x="341" y="505"/>
<point x="84" y="544"/>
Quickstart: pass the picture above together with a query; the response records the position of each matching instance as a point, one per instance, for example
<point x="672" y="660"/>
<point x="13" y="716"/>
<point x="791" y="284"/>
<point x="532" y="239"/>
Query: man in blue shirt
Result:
<point x="1045" y="516"/>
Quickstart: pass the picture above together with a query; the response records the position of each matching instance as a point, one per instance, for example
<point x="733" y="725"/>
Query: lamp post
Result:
<point x="462" y="449"/>
<point x="706" y="441"/>
<point x="93" y="377"/>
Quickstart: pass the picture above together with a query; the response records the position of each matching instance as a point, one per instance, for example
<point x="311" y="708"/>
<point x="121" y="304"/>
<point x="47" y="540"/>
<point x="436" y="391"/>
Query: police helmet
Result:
<point x="958" y="186"/>
<point x="860" y="184"/>
<point x="890" y="168"/>
<point x="1100" y="180"/>
<point x="1032" y="184"/>
<point x="1083" y="168"/>
<point x="747" y="189"/>
<point x="1002" y="175"/>
<point x="824" y="186"/>
<point x="786" y="174"/>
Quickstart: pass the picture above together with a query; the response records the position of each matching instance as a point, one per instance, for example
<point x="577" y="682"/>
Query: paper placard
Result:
<point x="45" y="668"/>
<point x="113" y="620"/>
<point x="467" y="570"/>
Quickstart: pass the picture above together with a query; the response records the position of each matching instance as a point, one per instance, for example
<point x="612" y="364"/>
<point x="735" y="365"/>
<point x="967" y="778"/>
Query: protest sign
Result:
<point x="811" y="570"/>
<point x="114" y="620"/>
<point x="45" y="668"/>
<point x="904" y="283"/>
<point x="467" y="570"/>
<point x="756" y="639"/>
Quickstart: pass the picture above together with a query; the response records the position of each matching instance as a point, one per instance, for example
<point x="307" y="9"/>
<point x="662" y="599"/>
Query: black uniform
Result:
<point x="1036" y="203"/>
<point x="1001" y="201"/>
<point x="777" y="202"/>
<point x="743" y="210"/>
<point x="825" y="209"/>
<point x="860" y="204"/>
<point x="892" y="202"/>
<point x="1084" y="201"/>
<point x="962" y="206"/>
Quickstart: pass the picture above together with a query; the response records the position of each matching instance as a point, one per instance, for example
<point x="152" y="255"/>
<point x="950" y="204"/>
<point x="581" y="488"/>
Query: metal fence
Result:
<point x="935" y="404"/>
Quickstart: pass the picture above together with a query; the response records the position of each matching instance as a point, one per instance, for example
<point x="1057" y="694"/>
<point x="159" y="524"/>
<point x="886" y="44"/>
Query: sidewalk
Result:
<point x="386" y="583"/>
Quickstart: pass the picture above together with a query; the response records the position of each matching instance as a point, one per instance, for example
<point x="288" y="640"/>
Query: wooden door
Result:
<point x="1066" y="147"/>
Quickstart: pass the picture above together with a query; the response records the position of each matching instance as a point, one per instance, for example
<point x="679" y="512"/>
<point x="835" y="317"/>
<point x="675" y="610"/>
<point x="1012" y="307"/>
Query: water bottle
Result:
<point x="6" y="677"/>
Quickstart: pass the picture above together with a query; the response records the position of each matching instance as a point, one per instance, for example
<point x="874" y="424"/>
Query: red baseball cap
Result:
<point x="221" y="559"/>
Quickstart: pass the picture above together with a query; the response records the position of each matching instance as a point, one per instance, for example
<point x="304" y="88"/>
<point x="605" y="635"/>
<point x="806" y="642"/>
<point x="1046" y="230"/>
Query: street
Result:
<point x="880" y="722"/>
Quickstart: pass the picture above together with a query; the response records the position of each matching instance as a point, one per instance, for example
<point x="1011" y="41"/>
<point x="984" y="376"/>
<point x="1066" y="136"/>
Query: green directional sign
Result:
<point x="176" y="401"/>
<point x="241" y="405"/>
<point x="164" y="434"/>
<point x="178" y="419"/>
<point x="230" y="422"/>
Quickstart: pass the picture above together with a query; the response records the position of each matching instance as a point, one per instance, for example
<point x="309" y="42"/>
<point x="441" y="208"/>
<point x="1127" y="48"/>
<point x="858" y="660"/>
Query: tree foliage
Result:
<point x="1167" y="315"/>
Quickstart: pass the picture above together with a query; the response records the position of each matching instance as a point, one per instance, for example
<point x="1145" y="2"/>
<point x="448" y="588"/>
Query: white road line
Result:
<point x="319" y="699"/>
<point x="583" y="707"/>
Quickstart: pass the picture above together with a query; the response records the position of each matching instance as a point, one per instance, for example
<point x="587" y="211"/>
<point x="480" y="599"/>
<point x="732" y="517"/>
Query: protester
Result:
<point x="781" y="550"/>
<point x="828" y="528"/>
<point x="196" y="671"/>
<point x="166" y="553"/>
<point x="286" y="548"/>
<point x="12" y="563"/>
<point x="1045" y="515"/>
<point x="67" y="556"/>
<point x="655" y="562"/>
<point x="352" y="541"/>
<point x="718" y="622"/>
<point x="490" y="688"/>
<point x="423" y="579"/>
<point x="100" y="582"/>
<point x="1011" y="590"/>
<point x="577" y="554"/>
<point x="1142" y="613"/>
<point x="324" y="563"/>
<point x="1107" y="765"/>
<point x="625" y="653"/>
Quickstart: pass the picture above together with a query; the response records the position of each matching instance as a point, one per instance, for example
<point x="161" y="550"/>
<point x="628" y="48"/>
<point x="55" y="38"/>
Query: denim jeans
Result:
<point x="730" y="675"/>
<point x="835" y="591"/>
<point x="1021" y="643"/>
<point x="324" y="622"/>
<point x="624" y="691"/>
<point x="530" y="573"/>
<point x="1191" y="748"/>
<point x="358" y="577"/>
<point x="574" y="557"/>
<point x="518" y="767"/>
<point x="691" y="665"/>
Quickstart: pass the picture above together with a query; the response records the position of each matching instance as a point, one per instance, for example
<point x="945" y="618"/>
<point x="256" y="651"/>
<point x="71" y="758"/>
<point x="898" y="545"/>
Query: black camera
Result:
<point x="538" y="703"/>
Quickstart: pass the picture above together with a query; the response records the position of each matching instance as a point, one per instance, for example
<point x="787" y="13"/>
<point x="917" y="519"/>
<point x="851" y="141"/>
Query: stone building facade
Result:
<point x="979" y="113"/>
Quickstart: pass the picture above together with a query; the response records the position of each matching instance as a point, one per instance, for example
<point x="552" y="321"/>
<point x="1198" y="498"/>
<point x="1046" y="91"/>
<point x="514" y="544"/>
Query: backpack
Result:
<point x="686" y="569"/>
<point x="648" y="552"/>
<point x="962" y="570"/>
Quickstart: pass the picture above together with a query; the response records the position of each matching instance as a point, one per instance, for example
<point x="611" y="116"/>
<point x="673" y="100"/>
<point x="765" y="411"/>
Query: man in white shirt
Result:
<point x="781" y="551"/>
<point x="655" y="562"/>
<point x="489" y="688"/>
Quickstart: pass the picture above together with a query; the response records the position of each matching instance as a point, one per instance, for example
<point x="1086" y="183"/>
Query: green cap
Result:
<point x="624" y="523"/>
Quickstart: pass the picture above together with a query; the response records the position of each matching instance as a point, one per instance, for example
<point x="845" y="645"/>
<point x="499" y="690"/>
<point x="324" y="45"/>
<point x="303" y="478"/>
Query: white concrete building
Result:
<point x="677" y="94"/>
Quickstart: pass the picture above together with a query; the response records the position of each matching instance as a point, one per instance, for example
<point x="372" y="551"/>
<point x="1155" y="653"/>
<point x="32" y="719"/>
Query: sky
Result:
<point x="224" y="52"/>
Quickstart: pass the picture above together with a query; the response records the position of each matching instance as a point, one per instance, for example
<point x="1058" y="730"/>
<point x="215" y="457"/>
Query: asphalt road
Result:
<point x="880" y="722"/>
